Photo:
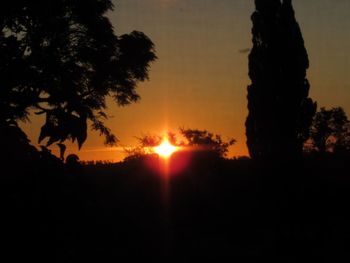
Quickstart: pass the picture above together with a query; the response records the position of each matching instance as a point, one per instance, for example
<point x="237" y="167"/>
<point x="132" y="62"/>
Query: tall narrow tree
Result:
<point x="280" y="111"/>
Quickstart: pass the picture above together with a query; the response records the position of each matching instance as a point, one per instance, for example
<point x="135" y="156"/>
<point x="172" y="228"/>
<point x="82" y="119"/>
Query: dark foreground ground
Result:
<point x="212" y="210"/>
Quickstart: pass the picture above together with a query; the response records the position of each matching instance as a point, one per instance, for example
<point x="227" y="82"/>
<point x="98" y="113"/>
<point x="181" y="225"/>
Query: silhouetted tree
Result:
<point x="62" y="59"/>
<point x="198" y="140"/>
<point x="330" y="131"/>
<point x="280" y="112"/>
<point x="207" y="141"/>
<point x="146" y="143"/>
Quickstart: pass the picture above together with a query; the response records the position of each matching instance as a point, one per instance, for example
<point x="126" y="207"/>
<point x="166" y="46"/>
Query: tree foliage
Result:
<point x="280" y="111"/>
<point x="330" y="131"/>
<point x="193" y="139"/>
<point x="62" y="59"/>
<point x="207" y="141"/>
<point x="145" y="145"/>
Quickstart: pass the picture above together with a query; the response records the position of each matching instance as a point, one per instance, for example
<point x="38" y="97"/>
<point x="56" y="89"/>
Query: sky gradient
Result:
<point x="200" y="78"/>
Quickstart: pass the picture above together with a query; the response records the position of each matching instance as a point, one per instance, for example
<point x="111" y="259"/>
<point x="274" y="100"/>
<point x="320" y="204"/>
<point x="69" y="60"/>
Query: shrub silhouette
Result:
<point x="280" y="112"/>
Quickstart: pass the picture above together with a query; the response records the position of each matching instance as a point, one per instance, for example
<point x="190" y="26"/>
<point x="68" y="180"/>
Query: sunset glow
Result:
<point x="165" y="149"/>
<point x="201" y="76"/>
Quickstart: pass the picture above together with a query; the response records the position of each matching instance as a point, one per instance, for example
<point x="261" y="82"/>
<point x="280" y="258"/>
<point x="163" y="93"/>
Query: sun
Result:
<point x="165" y="149"/>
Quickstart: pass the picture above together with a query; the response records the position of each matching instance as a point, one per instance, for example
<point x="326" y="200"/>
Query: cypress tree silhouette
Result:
<point x="280" y="111"/>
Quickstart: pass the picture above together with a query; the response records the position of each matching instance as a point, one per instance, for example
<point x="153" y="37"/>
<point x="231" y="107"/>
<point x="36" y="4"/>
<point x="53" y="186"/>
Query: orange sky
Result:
<point x="200" y="78"/>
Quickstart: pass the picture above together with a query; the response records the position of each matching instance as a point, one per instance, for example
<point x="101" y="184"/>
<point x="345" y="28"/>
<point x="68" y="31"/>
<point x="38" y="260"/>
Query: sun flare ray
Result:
<point x="165" y="149"/>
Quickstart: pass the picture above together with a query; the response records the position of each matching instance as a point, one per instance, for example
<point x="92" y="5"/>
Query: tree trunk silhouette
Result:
<point x="280" y="111"/>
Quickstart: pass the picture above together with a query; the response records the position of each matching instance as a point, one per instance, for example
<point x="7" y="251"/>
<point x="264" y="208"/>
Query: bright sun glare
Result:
<point x="165" y="149"/>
